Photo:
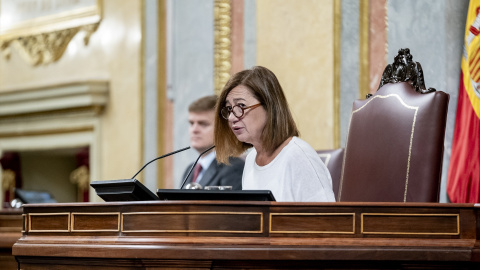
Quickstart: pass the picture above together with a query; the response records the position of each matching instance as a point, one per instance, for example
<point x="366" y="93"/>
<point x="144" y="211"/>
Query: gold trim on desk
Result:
<point x="260" y="214"/>
<point x="30" y="215"/>
<point x="72" y="221"/>
<point x="414" y="215"/>
<point x="24" y="229"/>
<point x="314" y="214"/>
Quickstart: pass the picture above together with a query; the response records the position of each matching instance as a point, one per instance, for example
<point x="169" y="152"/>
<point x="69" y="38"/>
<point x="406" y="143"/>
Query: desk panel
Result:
<point x="235" y="235"/>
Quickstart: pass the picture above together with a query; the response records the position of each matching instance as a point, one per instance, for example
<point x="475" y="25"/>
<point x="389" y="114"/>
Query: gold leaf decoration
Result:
<point x="8" y="180"/>
<point x="80" y="177"/>
<point x="222" y="47"/>
<point x="45" y="48"/>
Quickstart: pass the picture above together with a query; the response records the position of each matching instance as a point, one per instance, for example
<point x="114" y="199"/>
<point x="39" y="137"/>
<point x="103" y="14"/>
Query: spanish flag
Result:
<point x="464" y="172"/>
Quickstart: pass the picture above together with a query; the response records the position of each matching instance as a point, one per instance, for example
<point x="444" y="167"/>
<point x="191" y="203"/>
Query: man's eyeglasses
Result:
<point x="236" y="110"/>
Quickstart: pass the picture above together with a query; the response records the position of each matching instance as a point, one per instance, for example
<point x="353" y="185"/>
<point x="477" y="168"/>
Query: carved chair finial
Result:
<point x="403" y="69"/>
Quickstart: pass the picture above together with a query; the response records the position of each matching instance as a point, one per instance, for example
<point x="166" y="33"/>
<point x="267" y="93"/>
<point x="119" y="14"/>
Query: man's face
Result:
<point x="201" y="129"/>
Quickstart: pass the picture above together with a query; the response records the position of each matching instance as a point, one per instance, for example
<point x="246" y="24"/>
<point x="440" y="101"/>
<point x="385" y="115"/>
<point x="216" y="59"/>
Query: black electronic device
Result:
<point x="123" y="190"/>
<point x="34" y="196"/>
<point x="128" y="189"/>
<point x="214" y="195"/>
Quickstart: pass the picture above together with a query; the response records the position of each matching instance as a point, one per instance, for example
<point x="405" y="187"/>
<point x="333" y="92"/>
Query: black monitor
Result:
<point x="34" y="196"/>
<point x="123" y="190"/>
<point x="214" y="195"/>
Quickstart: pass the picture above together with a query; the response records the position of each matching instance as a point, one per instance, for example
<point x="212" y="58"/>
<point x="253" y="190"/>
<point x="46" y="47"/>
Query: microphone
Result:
<point x="193" y="166"/>
<point x="166" y="155"/>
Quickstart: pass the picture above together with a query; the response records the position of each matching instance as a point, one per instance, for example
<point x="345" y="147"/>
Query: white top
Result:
<point x="297" y="174"/>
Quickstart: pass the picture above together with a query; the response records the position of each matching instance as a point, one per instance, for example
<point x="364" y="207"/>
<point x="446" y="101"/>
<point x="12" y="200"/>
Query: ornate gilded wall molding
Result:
<point x="44" y="48"/>
<point x="42" y="39"/>
<point x="222" y="47"/>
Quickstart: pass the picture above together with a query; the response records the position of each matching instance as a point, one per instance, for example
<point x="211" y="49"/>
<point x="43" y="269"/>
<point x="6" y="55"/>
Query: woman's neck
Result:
<point x="264" y="157"/>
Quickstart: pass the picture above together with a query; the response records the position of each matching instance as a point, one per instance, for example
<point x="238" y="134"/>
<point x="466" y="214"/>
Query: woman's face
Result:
<point x="248" y="128"/>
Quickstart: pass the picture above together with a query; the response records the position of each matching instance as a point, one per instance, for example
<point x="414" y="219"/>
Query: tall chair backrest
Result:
<point x="394" y="148"/>
<point x="333" y="159"/>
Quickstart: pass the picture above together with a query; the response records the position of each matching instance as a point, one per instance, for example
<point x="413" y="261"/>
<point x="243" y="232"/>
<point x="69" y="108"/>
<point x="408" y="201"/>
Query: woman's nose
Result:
<point x="232" y="117"/>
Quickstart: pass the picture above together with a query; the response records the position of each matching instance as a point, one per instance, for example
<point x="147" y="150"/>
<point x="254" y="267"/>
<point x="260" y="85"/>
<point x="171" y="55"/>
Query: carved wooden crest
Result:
<point x="42" y="29"/>
<point x="404" y="69"/>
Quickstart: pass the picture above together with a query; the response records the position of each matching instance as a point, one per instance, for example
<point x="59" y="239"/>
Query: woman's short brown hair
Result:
<point x="264" y="86"/>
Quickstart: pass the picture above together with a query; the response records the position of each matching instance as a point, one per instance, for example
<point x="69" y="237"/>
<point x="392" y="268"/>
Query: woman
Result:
<point x="252" y="111"/>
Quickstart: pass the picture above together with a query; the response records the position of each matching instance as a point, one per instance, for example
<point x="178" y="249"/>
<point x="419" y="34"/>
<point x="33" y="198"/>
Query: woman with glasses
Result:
<point x="252" y="111"/>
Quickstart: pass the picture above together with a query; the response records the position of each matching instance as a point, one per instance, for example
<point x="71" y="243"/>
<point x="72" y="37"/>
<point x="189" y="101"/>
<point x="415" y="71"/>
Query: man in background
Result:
<point x="207" y="172"/>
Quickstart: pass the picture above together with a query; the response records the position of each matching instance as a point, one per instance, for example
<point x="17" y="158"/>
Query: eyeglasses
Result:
<point x="236" y="110"/>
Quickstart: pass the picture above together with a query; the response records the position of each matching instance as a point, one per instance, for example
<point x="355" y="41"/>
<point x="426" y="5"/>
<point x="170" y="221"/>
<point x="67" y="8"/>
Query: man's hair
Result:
<point x="203" y="104"/>
<point x="264" y="86"/>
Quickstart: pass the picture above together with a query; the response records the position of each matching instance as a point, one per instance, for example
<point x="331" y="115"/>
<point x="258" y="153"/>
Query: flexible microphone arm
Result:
<point x="166" y="155"/>
<point x="195" y="163"/>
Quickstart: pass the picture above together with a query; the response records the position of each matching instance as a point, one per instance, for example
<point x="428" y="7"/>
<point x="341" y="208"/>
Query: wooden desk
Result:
<point x="249" y="235"/>
<point x="10" y="231"/>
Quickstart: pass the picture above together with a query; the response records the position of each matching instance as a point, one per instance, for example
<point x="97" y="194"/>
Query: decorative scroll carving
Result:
<point x="42" y="29"/>
<point x="222" y="47"/>
<point x="403" y="69"/>
<point x="81" y="177"/>
<point x="45" y="48"/>
<point x="8" y="182"/>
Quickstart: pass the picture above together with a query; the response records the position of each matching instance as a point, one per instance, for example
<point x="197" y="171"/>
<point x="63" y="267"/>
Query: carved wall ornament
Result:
<point x="45" y="28"/>
<point x="222" y="46"/>
<point x="45" y="48"/>
<point x="8" y="182"/>
<point x="81" y="177"/>
<point x="403" y="69"/>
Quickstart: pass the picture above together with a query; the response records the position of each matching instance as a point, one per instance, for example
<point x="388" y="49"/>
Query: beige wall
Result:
<point x="295" y="41"/>
<point x="113" y="55"/>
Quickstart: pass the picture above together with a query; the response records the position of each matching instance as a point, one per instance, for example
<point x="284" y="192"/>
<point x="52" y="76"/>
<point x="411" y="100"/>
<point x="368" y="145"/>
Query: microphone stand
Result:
<point x="195" y="163"/>
<point x="166" y="155"/>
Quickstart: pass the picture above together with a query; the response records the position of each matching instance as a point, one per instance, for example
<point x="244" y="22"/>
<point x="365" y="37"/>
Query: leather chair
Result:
<point x="333" y="159"/>
<point x="394" y="148"/>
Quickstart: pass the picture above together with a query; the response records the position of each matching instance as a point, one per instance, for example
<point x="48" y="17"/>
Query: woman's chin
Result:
<point x="241" y="138"/>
